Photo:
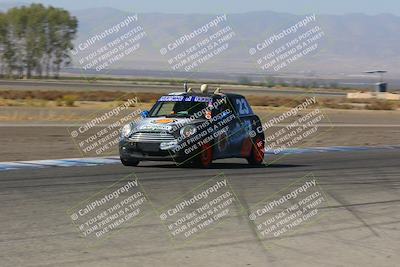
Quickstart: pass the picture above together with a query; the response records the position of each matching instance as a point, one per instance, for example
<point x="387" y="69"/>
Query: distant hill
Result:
<point x="352" y="43"/>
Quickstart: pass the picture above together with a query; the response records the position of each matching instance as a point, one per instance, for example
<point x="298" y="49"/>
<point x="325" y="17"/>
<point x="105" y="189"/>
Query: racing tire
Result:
<point x="129" y="162"/>
<point x="205" y="157"/>
<point x="256" y="157"/>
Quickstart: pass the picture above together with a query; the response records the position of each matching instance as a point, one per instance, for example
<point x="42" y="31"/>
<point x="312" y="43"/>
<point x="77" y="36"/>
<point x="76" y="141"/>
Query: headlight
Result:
<point x="126" y="130"/>
<point x="188" y="130"/>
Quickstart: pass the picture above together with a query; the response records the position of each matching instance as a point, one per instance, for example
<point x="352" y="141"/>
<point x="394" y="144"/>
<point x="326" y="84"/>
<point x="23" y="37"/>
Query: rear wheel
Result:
<point x="129" y="162"/>
<point x="257" y="151"/>
<point x="205" y="157"/>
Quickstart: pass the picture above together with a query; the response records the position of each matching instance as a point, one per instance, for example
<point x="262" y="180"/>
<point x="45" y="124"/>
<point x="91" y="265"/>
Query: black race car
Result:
<point x="194" y="128"/>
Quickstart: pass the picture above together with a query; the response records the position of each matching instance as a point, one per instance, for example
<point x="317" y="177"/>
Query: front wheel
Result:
<point x="205" y="157"/>
<point x="257" y="152"/>
<point x="129" y="162"/>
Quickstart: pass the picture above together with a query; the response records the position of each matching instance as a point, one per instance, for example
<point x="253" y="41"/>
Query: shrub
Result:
<point x="381" y="105"/>
<point x="69" y="100"/>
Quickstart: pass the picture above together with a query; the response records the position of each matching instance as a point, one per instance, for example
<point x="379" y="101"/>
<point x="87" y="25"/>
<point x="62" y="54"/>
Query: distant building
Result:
<point x="381" y="89"/>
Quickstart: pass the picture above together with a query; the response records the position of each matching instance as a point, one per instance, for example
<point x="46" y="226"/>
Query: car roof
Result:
<point x="229" y="95"/>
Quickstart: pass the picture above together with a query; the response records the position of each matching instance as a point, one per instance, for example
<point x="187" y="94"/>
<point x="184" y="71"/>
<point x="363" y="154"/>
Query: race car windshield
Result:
<point x="177" y="108"/>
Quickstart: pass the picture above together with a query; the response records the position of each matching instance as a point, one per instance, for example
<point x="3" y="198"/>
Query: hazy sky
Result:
<point x="235" y="6"/>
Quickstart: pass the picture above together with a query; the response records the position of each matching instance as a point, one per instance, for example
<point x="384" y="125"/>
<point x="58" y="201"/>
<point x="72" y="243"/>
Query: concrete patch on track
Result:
<point x="74" y="162"/>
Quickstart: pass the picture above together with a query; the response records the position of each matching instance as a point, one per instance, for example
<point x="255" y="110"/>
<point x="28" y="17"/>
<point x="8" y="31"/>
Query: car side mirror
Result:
<point x="144" y="114"/>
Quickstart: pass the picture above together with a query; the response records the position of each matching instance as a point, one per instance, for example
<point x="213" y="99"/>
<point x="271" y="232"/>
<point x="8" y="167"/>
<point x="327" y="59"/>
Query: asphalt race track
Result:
<point x="360" y="225"/>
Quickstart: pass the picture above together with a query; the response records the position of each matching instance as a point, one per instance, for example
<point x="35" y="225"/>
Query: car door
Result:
<point x="241" y="143"/>
<point x="223" y="145"/>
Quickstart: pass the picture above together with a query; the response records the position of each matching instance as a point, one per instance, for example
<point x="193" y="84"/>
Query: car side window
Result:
<point x="242" y="106"/>
<point x="220" y="108"/>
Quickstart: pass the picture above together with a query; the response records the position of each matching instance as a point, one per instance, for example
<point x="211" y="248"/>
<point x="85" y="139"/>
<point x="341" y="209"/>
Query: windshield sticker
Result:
<point x="174" y="98"/>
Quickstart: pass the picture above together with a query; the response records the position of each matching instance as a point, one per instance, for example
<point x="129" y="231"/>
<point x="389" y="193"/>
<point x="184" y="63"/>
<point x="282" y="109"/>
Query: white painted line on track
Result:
<point x="96" y="161"/>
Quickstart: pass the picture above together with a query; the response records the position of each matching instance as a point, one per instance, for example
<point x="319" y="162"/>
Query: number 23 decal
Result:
<point x="242" y="105"/>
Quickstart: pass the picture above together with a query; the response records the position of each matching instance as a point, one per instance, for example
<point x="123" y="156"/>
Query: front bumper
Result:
<point x="147" y="151"/>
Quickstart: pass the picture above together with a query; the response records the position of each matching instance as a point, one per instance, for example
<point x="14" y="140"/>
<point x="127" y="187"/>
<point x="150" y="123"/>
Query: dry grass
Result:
<point x="103" y="96"/>
<point x="81" y="98"/>
<point x="274" y="101"/>
<point x="383" y="105"/>
<point x="291" y="102"/>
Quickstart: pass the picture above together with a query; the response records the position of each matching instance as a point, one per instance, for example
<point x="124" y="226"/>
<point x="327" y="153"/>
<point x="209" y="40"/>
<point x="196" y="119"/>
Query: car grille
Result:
<point x="151" y="137"/>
